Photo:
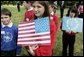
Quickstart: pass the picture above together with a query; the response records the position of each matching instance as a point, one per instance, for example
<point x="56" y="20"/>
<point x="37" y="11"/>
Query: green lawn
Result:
<point x="18" y="17"/>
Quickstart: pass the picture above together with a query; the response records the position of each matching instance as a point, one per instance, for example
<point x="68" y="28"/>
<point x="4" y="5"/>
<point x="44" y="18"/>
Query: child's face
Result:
<point x="26" y="5"/>
<point x="72" y="14"/>
<point x="5" y="19"/>
<point x="50" y="8"/>
<point x="38" y="9"/>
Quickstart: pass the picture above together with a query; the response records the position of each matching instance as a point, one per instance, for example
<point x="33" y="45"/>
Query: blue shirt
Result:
<point x="9" y="37"/>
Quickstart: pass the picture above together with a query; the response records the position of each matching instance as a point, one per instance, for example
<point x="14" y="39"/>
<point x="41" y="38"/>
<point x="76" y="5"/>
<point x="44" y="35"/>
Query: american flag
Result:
<point x="34" y="32"/>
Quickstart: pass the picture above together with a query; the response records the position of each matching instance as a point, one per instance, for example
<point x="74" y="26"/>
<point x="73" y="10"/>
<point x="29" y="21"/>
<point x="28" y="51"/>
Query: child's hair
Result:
<point x="46" y="12"/>
<point x="51" y="3"/>
<point x="74" y="10"/>
<point x="81" y="2"/>
<point x="29" y="1"/>
<point x="5" y="11"/>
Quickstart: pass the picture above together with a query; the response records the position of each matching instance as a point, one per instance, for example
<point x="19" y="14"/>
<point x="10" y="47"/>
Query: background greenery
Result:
<point x="68" y="3"/>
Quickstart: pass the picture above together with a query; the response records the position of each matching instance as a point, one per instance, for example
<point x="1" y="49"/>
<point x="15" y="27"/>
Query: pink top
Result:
<point x="80" y="9"/>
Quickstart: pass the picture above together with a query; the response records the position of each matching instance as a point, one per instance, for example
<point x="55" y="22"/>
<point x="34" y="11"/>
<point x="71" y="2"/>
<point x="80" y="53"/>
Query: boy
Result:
<point x="9" y="34"/>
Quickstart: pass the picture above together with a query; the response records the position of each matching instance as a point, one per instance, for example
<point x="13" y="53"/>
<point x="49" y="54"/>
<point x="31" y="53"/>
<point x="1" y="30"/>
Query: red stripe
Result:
<point x="26" y="29"/>
<point x="25" y="26"/>
<point x="26" y="22"/>
<point x="34" y="40"/>
<point x="26" y="33"/>
<point x="34" y="36"/>
<point x="38" y="44"/>
<point x="23" y="44"/>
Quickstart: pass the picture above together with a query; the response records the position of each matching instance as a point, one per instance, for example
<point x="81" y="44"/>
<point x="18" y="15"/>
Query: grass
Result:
<point x="18" y="17"/>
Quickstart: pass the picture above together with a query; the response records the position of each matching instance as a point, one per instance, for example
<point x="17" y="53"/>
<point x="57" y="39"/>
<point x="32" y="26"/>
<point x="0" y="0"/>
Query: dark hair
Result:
<point x="81" y="2"/>
<point x="26" y="1"/>
<point x="74" y="10"/>
<point x="46" y="12"/>
<point x="5" y="11"/>
<point x="29" y="1"/>
<point x="52" y="5"/>
<point x="51" y="2"/>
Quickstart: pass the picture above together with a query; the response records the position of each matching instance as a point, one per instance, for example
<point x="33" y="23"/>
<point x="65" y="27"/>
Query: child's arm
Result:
<point x="71" y="32"/>
<point x="74" y="32"/>
<point x="18" y="48"/>
<point x="56" y="20"/>
<point x="31" y="51"/>
<point x="32" y="48"/>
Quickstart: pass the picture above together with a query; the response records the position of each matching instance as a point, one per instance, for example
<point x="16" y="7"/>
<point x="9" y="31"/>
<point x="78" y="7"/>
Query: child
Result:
<point x="69" y="37"/>
<point x="29" y="15"/>
<point x="62" y="7"/>
<point x="18" y="6"/>
<point x="41" y="10"/>
<point x="9" y="33"/>
<point x="55" y="5"/>
<point x="73" y="5"/>
<point x="54" y="20"/>
<point x="80" y="10"/>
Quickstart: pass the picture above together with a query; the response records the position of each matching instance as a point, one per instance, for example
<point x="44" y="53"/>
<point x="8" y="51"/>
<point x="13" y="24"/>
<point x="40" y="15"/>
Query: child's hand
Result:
<point x="69" y="32"/>
<point x="31" y="51"/>
<point x="34" y="47"/>
<point x="73" y="32"/>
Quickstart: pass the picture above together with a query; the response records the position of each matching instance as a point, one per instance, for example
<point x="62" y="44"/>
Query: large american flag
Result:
<point x="34" y="32"/>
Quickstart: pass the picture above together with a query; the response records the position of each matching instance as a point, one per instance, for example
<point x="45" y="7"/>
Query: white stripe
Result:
<point x="33" y="38"/>
<point x="26" y="31"/>
<point x="27" y="35"/>
<point x="35" y="42"/>
<point x="25" y="24"/>
<point x="26" y="27"/>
